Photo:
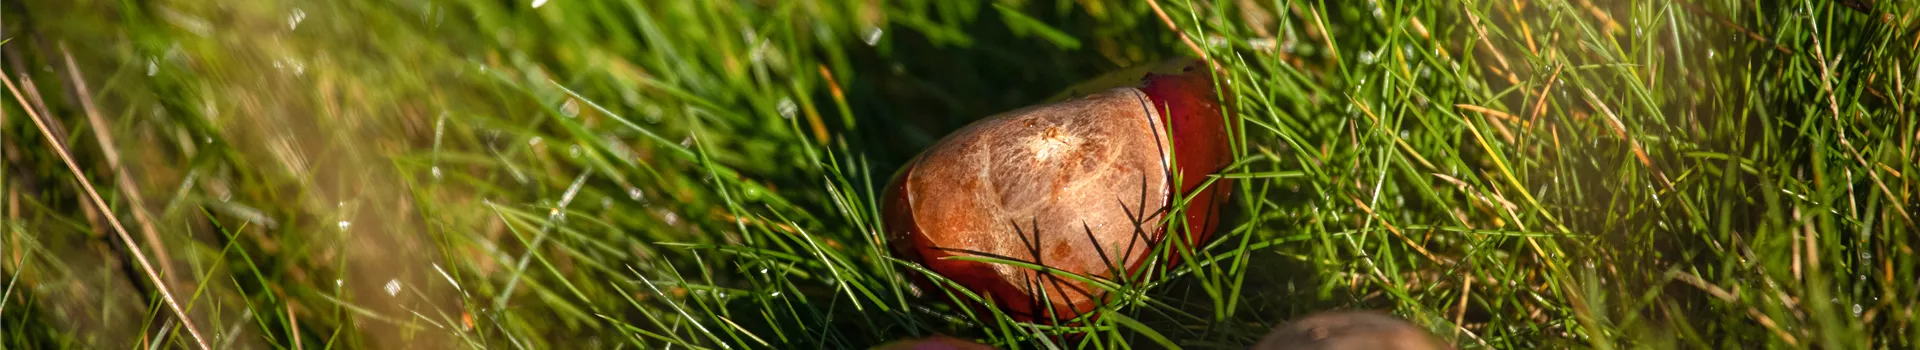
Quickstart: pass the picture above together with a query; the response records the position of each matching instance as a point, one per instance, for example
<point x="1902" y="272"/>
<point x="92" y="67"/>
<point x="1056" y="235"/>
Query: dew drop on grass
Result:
<point x="436" y="172"/>
<point x="759" y="54"/>
<point x="787" y="108"/>
<point x="630" y="97"/>
<point x="556" y="215"/>
<point x="535" y="141"/>
<point x="635" y="194"/>
<point x="1263" y="44"/>
<point x="539" y="3"/>
<point x="570" y="108"/>
<point x="344" y="225"/>
<point x="152" y="67"/>
<point x="871" y="35"/>
<point x="1366" y="57"/>
<point x="393" y="287"/>
<point x="573" y="151"/>
<point x="653" y="113"/>
<point x="293" y="20"/>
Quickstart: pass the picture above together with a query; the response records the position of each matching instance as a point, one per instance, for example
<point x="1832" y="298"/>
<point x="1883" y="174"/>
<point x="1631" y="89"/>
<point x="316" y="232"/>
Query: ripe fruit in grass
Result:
<point x="1080" y="186"/>
<point x="1349" y="331"/>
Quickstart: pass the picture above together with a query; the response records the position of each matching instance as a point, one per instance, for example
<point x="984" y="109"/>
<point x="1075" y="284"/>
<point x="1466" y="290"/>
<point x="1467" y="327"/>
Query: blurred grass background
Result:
<point x="702" y="174"/>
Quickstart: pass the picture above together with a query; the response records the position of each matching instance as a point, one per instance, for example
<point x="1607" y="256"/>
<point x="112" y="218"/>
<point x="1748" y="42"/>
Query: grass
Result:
<point x="641" y="174"/>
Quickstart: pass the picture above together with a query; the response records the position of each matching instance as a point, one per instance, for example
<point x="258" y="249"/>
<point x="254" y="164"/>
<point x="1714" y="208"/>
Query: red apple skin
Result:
<point x="1350" y="330"/>
<point x="1059" y="185"/>
<point x="909" y="241"/>
<point x="943" y="216"/>
<point x="1200" y="141"/>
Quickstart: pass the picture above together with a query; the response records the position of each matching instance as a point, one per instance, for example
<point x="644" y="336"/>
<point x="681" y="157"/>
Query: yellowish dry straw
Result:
<point x="118" y="229"/>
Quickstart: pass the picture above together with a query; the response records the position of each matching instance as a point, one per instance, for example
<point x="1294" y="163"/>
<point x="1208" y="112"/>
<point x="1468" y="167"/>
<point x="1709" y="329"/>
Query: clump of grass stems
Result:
<point x="705" y="174"/>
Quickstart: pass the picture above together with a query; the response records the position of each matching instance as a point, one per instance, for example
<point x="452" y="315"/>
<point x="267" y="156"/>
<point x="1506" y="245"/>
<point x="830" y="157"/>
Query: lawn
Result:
<point x="707" y="174"/>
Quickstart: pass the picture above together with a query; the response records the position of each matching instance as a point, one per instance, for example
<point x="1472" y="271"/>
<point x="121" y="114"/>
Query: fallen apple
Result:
<point x="1349" y="331"/>
<point x="1081" y="186"/>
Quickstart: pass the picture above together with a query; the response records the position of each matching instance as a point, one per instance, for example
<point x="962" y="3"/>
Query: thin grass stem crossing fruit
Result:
<point x="1047" y="198"/>
<point x="937" y="342"/>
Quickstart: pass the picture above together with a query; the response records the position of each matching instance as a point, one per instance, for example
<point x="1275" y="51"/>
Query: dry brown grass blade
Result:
<point x="1417" y="247"/>
<point x="1168" y="21"/>
<point x="1504" y="70"/>
<point x="1729" y="297"/>
<point x="1752" y="35"/>
<point x="1620" y="131"/>
<point x="1540" y="106"/>
<point x="1496" y="121"/>
<point x="66" y="157"/>
<point x="112" y="152"/>
<point x="1397" y="140"/>
<point x="1460" y="308"/>
<point x="1826" y="85"/>
<point x="294" y="323"/>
